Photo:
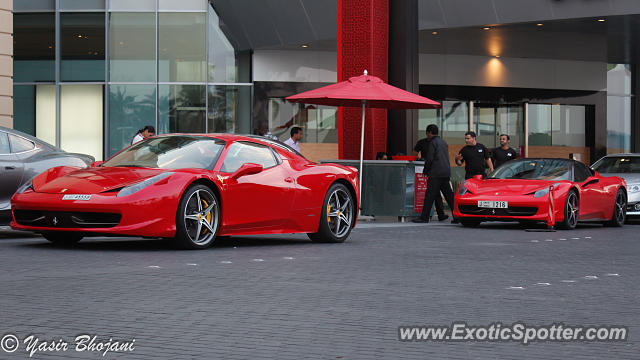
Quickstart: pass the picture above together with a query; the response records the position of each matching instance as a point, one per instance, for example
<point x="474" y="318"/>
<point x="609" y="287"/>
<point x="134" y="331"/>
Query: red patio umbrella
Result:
<point x="364" y="90"/>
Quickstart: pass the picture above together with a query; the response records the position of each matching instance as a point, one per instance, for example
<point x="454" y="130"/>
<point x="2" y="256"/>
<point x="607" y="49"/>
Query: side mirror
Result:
<point x="246" y="169"/>
<point x="478" y="177"/>
<point x="96" y="163"/>
<point x="590" y="180"/>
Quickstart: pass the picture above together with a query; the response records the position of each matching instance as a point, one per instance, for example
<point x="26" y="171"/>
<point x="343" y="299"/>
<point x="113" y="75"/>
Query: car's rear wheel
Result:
<point x="338" y="214"/>
<point x="62" y="237"/>
<point x="619" y="210"/>
<point x="197" y="218"/>
<point x="470" y="223"/>
<point x="571" y="211"/>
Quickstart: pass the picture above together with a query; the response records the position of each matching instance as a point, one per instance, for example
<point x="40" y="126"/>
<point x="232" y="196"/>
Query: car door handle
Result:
<point x="289" y="180"/>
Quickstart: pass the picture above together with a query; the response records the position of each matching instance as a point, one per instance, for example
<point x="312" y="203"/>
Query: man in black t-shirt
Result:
<point x="475" y="156"/>
<point x="504" y="153"/>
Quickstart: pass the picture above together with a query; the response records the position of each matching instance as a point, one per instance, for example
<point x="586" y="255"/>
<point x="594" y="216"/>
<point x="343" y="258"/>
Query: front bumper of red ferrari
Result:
<point x="523" y="207"/>
<point x="133" y="215"/>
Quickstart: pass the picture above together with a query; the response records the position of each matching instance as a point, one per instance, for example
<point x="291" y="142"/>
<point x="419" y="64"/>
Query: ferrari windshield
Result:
<point x="170" y="152"/>
<point x="618" y="164"/>
<point x="534" y="169"/>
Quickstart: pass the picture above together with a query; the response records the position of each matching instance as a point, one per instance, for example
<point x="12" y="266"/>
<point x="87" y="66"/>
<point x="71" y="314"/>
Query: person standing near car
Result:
<point x="296" y="136"/>
<point x="144" y="133"/>
<point x="504" y="153"/>
<point x="438" y="170"/>
<point x="474" y="156"/>
<point x="420" y="151"/>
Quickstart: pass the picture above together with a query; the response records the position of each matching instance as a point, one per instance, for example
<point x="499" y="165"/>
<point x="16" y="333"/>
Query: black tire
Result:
<point x="63" y="238"/>
<point x="197" y="218"/>
<point x="619" y="215"/>
<point x="470" y="223"/>
<point x="336" y="226"/>
<point x="571" y="211"/>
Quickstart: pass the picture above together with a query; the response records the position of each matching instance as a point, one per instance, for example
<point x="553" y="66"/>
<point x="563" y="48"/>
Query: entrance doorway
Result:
<point x="491" y="120"/>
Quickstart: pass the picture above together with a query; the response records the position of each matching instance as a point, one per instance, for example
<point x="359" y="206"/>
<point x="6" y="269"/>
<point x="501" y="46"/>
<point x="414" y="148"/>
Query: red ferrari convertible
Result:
<point x="192" y="188"/>
<point x="560" y="192"/>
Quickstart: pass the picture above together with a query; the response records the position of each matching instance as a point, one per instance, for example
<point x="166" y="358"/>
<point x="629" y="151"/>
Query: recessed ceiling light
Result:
<point x="601" y="20"/>
<point x="539" y="24"/>
<point x="497" y="56"/>
<point x="434" y="33"/>
<point x="305" y="46"/>
<point x="486" y="28"/>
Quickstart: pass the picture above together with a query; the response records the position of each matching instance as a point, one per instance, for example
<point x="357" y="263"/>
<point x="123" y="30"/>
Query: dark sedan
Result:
<point x="22" y="157"/>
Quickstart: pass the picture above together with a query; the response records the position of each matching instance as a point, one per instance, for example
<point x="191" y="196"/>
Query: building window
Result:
<point x="452" y="120"/>
<point x="618" y="108"/>
<point x="181" y="47"/>
<point x="131" y="107"/>
<point x="82" y="46"/>
<point x="181" y="108"/>
<point x="318" y="123"/>
<point x="34" y="47"/>
<point x="132" y="58"/>
<point x="81" y="116"/>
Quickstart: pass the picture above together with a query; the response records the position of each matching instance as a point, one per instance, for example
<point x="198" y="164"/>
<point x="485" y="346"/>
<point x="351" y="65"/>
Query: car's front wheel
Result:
<point x="619" y="210"/>
<point x="571" y="211"/>
<point x="197" y="218"/>
<point x="337" y="217"/>
<point x="63" y="238"/>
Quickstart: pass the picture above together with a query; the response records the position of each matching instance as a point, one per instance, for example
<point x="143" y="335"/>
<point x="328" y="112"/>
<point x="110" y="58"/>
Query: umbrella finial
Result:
<point x="366" y="72"/>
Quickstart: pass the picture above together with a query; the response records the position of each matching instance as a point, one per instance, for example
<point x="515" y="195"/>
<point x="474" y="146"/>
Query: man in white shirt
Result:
<point x="144" y="133"/>
<point x="294" y="140"/>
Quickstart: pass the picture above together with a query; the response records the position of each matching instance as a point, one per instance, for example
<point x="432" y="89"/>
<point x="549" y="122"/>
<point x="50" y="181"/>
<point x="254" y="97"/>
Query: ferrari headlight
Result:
<point x="26" y="186"/>
<point x="462" y="190"/>
<point x="634" y="188"/>
<point x="541" y="192"/>
<point x="128" y="190"/>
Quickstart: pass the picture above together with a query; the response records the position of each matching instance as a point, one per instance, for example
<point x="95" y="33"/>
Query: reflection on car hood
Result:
<point x="630" y="178"/>
<point x="89" y="181"/>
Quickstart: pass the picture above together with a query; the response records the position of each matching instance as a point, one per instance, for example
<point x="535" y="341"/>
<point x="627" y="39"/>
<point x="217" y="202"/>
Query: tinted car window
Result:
<point x="580" y="172"/>
<point x="19" y="144"/>
<point x="241" y="153"/>
<point x="618" y="164"/>
<point x="4" y="143"/>
<point x="533" y="169"/>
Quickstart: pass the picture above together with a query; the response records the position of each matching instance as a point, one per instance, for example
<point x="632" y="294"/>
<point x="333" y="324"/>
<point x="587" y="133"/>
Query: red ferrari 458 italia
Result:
<point x="559" y="192"/>
<point x="192" y="188"/>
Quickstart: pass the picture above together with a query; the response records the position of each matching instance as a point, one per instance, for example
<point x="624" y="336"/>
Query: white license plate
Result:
<point x="76" y="197"/>
<point x="493" y="204"/>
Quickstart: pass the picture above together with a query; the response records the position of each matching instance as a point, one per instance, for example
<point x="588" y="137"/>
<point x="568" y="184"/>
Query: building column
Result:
<point x="363" y="38"/>
<point x="404" y="73"/>
<point x="6" y="63"/>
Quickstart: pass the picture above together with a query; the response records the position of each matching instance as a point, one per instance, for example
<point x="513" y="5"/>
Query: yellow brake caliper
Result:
<point x="328" y="211"/>
<point x="208" y="218"/>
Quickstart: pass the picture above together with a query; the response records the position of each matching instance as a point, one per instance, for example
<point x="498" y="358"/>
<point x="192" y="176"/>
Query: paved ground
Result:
<point x="283" y="297"/>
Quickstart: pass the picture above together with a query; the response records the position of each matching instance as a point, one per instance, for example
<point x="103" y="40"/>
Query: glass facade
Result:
<point x="618" y="108"/>
<point x="556" y="125"/>
<point x="112" y="67"/>
<point x="452" y="120"/>
<point x="318" y="123"/>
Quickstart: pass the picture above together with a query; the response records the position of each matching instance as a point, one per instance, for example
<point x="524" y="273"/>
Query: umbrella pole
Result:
<point x="364" y="103"/>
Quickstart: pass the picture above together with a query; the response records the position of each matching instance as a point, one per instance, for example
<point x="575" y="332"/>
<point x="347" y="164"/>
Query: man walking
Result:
<point x="504" y="153"/>
<point x="475" y="156"/>
<point x="294" y="140"/>
<point x="420" y="150"/>
<point x="438" y="169"/>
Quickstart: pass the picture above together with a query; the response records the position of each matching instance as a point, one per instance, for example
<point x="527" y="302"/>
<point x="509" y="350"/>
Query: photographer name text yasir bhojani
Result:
<point x="82" y="343"/>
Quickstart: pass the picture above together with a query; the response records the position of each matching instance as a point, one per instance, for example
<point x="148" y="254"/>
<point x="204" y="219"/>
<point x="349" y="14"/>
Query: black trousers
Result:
<point x="435" y="186"/>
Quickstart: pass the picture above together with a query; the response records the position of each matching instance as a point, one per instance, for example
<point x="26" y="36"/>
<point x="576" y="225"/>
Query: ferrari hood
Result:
<point x="507" y="186"/>
<point x="89" y="181"/>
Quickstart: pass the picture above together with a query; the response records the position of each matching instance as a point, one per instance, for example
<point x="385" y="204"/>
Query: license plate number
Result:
<point x="76" y="197"/>
<point x="493" y="204"/>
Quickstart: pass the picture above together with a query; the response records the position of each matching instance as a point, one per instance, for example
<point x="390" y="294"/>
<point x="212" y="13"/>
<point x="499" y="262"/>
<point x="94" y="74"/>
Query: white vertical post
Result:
<point x="526" y="129"/>
<point x="471" y="116"/>
<point x="364" y="103"/>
